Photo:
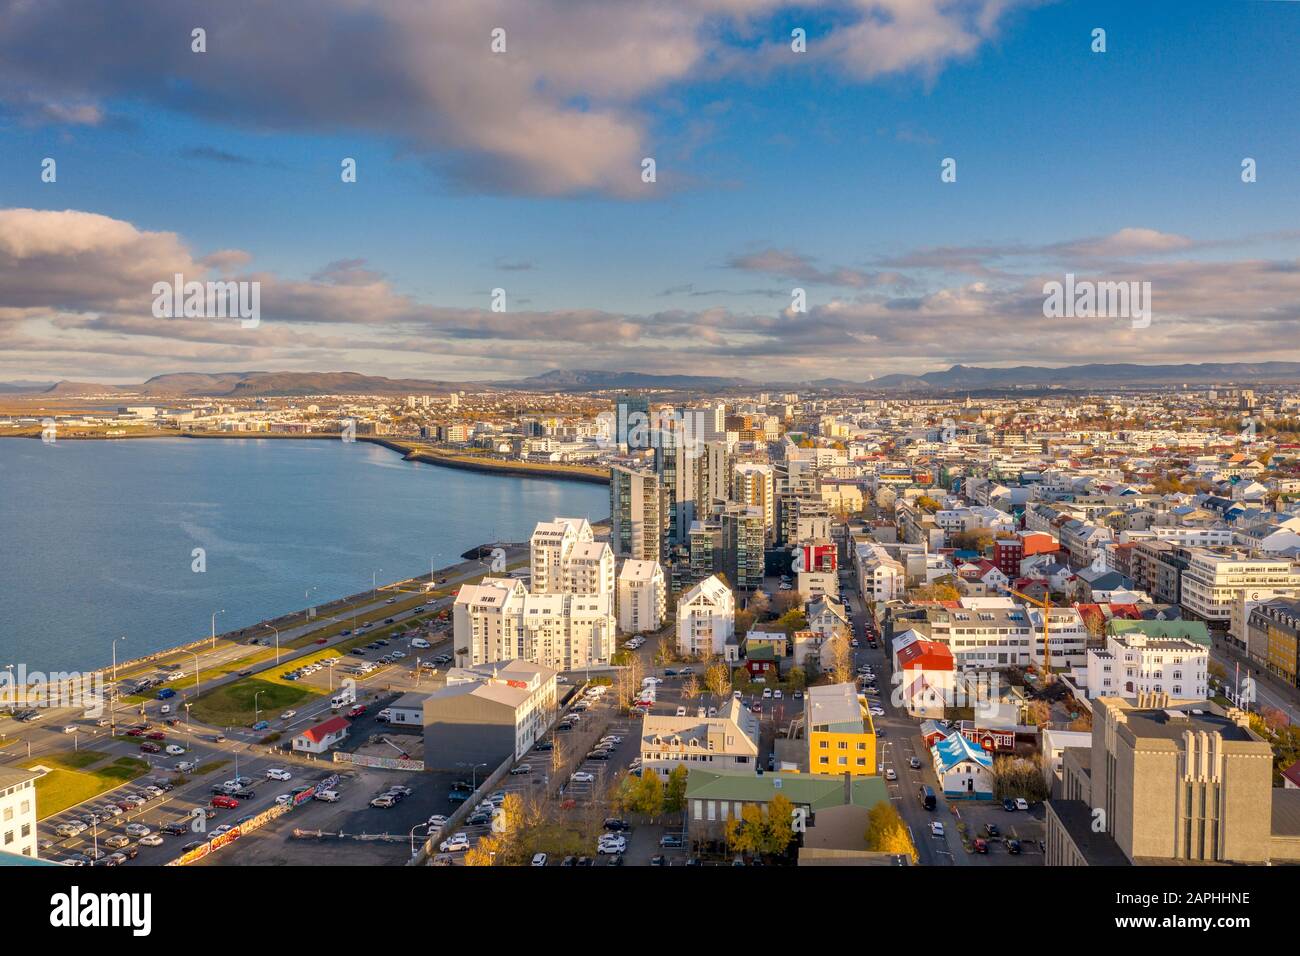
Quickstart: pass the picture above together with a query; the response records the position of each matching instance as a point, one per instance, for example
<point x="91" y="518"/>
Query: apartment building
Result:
<point x="706" y="619"/>
<point x="499" y="620"/>
<point x="880" y="576"/>
<point x="636" y="518"/>
<point x="565" y="558"/>
<point x="727" y="741"/>
<point x="1247" y="601"/>
<point x="18" y="811"/>
<point x="1213" y="582"/>
<point x="753" y="485"/>
<point x="1132" y="664"/>
<point x="991" y="635"/>
<point x="642" y="596"/>
<point x="1273" y="636"/>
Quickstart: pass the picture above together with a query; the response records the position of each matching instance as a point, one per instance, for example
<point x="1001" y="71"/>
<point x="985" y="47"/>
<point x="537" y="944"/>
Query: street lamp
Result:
<point x="473" y="771"/>
<point x="255" y="711"/>
<point x="374" y="582"/>
<point x="112" y="694"/>
<point x="330" y="665"/>
<point x="413" y="829"/>
<point x="277" y="642"/>
<point x="196" y="674"/>
<point x="188" y="728"/>
<point x="214" y="627"/>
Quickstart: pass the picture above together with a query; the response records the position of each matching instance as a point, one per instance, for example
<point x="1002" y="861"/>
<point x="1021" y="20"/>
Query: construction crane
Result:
<point x="1046" y="605"/>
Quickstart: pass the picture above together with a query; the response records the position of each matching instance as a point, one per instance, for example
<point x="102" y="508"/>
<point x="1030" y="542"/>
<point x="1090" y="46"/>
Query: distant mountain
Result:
<point x="958" y="377"/>
<point x="591" y="379"/>
<point x="1092" y="376"/>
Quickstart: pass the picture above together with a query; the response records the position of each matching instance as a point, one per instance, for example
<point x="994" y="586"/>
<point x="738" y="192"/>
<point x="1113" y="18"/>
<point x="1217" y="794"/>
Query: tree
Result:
<point x="762" y="832"/>
<point x="977" y="539"/>
<point x="797" y="678"/>
<point x="841" y="662"/>
<point x="718" y="679"/>
<point x="887" y="833"/>
<point x="934" y="592"/>
<point x="739" y="677"/>
<point x="759" y="604"/>
<point x="743" y="622"/>
<point x="779" y="830"/>
<point x="675" y="792"/>
<point x="665" y="651"/>
<point x="785" y="600"/>
<point x="1040" y="713"/>
<point x="691" y="687"/>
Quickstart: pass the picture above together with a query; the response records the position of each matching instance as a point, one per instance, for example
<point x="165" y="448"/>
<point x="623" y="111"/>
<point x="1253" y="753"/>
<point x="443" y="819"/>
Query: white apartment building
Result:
<point x="499" y="620"/>
<point x="1133" y="664"/>
<point x="706" y="619"/>
<point x="18" y="811"/>
<point x="728" y="741"/>
<point x="642" y="596"/>
<point x="989" y="637"/>
<point x="567" y="559"/>
<point x="880" y="576"/>
<point x="1212" y="583"/>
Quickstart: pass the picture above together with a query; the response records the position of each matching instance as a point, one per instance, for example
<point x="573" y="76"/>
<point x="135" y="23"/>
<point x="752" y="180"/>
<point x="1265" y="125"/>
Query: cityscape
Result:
<point x="476" y="437"/>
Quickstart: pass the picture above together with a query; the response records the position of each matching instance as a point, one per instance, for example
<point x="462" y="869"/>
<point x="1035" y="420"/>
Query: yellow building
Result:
<point x="837" y="725"/>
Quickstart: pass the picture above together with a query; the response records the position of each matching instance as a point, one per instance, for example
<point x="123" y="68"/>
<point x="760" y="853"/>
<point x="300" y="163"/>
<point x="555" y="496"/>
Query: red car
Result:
<point x="225" y="803"/>
<point x="320" y="640"/>
<point x="135" y="732"/>
<point x="156" y="735"/>
<point x="151" y="748"/>
<point x="357" y="711"/>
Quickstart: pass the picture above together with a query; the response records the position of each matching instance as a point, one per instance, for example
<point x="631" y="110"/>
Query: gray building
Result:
<point x="488" y="713"/>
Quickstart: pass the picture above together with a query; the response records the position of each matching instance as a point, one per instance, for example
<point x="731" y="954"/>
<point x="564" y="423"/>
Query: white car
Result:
<point x="137" y="830"/>
<point x="174" y="750"/>
<point x="1022" y="803"/>
<point x="877" y="712"/>
<point x="284" y="799"/>
<point x="891" y="774"/>
<point x="611" y="739"/>
<point x="327" y="796"/>
<point x="437" y="821"/>
<point x="419" y="642"/>
<point x="681" y="711"/>
<point x="767" y="693"/>
<point x="288" y="714"/>
<point x="539" y="859"/>
<point x="611" y="846"/>
<point x="777" y="694"/>
<point x="278" y="773"/>
<point x="583" y="777"/>
<point x="185" y="766"/>
<point x="383" y="802"/>
<point x="153" y="839"/>
<point x="70" y="729"/>
<point x="936" y="828"/>
<point x="652" y="680"/>
<point x="454" y="843"/>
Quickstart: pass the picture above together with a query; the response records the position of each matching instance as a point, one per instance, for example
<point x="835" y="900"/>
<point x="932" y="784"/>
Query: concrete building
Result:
<point x="565" y="558"/>
<point x="836" y="726"/>
<point x="1273" y="636"/>
<point x="487" y="713"/>
<point x="706" y="619"/>
<point x="713" y="798"/>
<point x="642" y="596"/>
<point x="1166" y="783"/>
<point x="728" y="741"/>
<point x="18" y="811"/>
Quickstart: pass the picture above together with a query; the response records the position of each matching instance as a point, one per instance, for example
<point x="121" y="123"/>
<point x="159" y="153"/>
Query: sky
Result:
<point x="523" y="170"/>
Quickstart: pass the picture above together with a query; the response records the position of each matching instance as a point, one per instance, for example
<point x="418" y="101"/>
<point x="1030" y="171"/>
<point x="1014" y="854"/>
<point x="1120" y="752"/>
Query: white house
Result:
<point x="706" y="619"/>
<point x="964" y="768"/>
<point x="323" y="736"/>
<point x="18" y="811"/>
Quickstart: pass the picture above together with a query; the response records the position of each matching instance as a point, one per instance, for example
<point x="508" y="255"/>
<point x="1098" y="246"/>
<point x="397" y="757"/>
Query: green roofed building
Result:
<point x="1194" y="631"/>
<point x="837" y="804"/>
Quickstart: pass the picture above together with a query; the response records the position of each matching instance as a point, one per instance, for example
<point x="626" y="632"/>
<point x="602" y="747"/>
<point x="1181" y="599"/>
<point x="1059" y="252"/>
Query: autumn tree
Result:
<point x="675" y="791"/>
<point x="841" y="660"/>
<point x="718" y="679"/>
<point x="691" y="687"/>
<point x="887" y="833"/>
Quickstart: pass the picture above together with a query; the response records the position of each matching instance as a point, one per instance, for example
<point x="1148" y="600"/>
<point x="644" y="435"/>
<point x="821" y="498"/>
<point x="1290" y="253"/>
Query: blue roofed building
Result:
<point x="964" y="768"/>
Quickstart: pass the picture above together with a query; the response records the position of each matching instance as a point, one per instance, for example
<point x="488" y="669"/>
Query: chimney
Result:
<point x="848" y="788"/>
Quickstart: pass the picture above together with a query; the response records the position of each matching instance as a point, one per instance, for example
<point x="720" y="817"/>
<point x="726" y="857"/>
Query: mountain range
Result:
<point x="237" y="385"/>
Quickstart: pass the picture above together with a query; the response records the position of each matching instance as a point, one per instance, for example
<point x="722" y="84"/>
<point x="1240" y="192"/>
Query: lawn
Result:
<point x="70" y="782"/>
<point x="232" y="704"/>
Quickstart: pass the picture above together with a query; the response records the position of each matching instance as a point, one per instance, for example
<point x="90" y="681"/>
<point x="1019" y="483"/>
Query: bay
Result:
<point x="97" y="537"/>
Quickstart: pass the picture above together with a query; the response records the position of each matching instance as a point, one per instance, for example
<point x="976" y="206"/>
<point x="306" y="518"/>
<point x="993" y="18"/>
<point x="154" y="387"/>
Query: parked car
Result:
<point x="981" y="845"/>
<point x="522" y="769"/>
<point x="150" y="748"/>
<point x="890" y="773"/>
<point x="1013" y="847"/>
<point x="936" y="828"/>
<point x="383" y="802"/>
<point x="1009" y="805"/>
<point x="539" y="859"/>
<point x="224" y="802"/>
<point x="582" y="776"/>
<point x="278" y="773"/>
<point x="455" y="843"/>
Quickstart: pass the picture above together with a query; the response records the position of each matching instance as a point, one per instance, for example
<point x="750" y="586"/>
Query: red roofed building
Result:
<point x="927" y="674"/>
<point x="318" y="739"/>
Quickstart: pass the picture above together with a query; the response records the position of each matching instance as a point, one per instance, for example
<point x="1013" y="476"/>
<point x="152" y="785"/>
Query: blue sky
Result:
<point x="819" y="170"/>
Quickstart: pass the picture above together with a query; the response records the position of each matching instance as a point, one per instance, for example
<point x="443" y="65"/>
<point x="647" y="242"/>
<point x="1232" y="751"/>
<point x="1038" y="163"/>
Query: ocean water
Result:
<point x="97" y="537"/>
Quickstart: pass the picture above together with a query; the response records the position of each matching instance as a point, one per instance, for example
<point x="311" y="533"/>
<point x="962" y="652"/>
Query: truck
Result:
<point x="343" y="698"/>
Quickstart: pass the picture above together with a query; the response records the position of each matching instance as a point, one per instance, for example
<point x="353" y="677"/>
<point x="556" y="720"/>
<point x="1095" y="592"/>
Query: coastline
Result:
<point x="409" y="450"/>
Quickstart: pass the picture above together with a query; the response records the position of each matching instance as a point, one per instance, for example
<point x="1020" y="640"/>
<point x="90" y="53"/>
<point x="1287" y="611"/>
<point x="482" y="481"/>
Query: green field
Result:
<point x="70" y="780"/>
<point x="232" y="704"/>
